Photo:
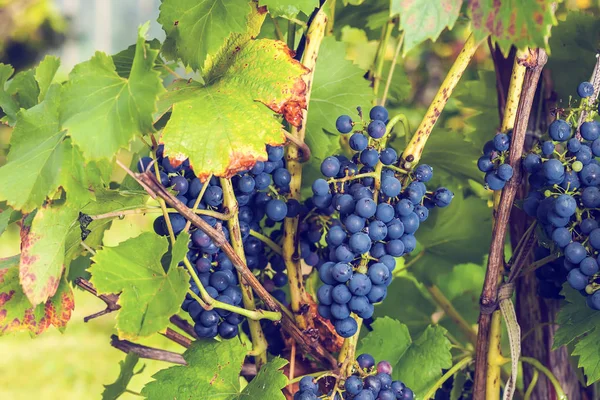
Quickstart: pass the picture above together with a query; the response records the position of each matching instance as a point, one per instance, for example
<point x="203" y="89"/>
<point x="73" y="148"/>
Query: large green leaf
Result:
<point x="213" y="373"/>
<point x="417" y="363"/>
<point x="17" y="313"/>
<point x="149" y="295"/>
<point x="223" y="128"/>
<point x="422" y="363"/>
<point x="44" y="74"/>
<point x="576" y="38"/>
<point x="424" y="19"/>
<point x="19" y="92"/>
<point x="454" y="235"/>
<point x="522" y="23"/>
<point x="579" y="325"/>
<point x="338" y="88"/>
<point x="196" y="28"/>
<point x="118" y="387"/>
<point x="289" y="8"/>
<point x="41" y="159"/>
<point x="388" y="340"/>
<point x="7" y="217"/>
<point x="43" y="251"/>
<point x="103" y="111"/>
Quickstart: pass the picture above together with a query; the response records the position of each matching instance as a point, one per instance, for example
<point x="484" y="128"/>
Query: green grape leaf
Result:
<point x="7" y="103"/>
<point x="44" y="75"/>
<point x="463" y="278"/>
<point x="431" y="352"/>
<point x="579" y="325"/>
<point x="118" y="387"/>
<point x="43" y="251"/>
<point x="388" y="340"/>
<point x="444" y="147"/>
<point x="424" y="19"/>
<point x="23" y="91"/>
<point x="338" y="88"/>
<point x="212" y="373"/>
<point x="196" y="28"/>
<point x="102" y="111"/>
<point x="123" y="60"/>
<point x="465" y="225"/>
<point x="289" y="8"/>
<point x="41" y="159"/>
<point x="149" y="295"/>
<point x="78" y="269"/>
<point x="519" y="23"/>
<point x="17" y="313"/>
<point x="416" y="310"/>
<point x="7" y="217"/>
<point x="107" y="201"/>
<point x="479" y="103"/>
<point x="268" y="382"/>
<point x="576" y="38"/>
<point x="223" y="128"/>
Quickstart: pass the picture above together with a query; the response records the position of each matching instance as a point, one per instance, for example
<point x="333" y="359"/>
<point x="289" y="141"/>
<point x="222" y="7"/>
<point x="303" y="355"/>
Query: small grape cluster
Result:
<point x="565" y="198"/>
<point x="259" y="194"/>
<point x="493" y="161"/>
<point x="377" y="208"/>
<point x="368" y="382"/>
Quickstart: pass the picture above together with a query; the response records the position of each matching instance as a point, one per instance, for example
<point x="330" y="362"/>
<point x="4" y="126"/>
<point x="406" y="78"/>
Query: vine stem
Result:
<point x="454" y="315"/>
<point x="266" y="240"/>
<point x="155" y="189"/>
<point x="298" y="295"/>
<point x="560" y="394"/>
<point x="455" y="368"/>
<point x="388" y="83"/>
<point x="412" y="153"/>
<point x="489" y="296"/>
<point x="532" y="384"/>
<point x="198" y="200"/>
<point x="380" y="58"/>
<point x="508" y="122"/>
<point x="259" y="342"/>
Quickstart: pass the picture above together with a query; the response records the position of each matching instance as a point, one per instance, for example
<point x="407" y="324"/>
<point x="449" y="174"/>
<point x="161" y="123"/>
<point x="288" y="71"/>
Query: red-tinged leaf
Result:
<point x="17" y="313"/>
<point x="525" y="23"/>
<point x="43" y="251"/>
<point x="223" y="128"/>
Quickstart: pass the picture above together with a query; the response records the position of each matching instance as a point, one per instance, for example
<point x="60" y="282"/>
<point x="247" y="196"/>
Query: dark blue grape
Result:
<point x="590" y="175"/>
<point x="366" y="207"/>
<point x="590" y="197"/>
<point x="344" y="254"/>
<point x="276" y="210"/>
<point x="275" y="153"/>
<point x="346" y="327"/>
<point x="320" y="187"/>
<point x="354" y="223"/>
<point x="547" y="148"/>
<point x="575" y="252"/>
<point x="378" y="230"/>
<point x="330" y="167"/>
<point x="344" y="124"/>
<point x="341" y="294"/>
<point x="493" y="181"/>
<point x="378" y="113"/>
<point x="485" y="164"/>
<point x="359" y="284"/>
<point x="341" y="272"/>
<point x="340" y="311"/>
<point x="561" y="236"/>
<point x="501" y="142"/>
<point x="559" y="130"/>
<point x="365" y="361"/>
<point x="376" y="129"/>
<point x="565" y="205"/>
<point x="369" y="157"/>
<point x="353" y="385"/>
<point x="590" y="130"/>
<point x="505" y="172"/>
<point x="442" y="197"/>
<point x="205" y="332"/>
<point x="388" y="156"/>
<point x="585" y="89"/>
<point x="391" y="187"/>
<point x="385" y="212"/>
<point x="227" y="330"/>
<point x="410" y="243"/>
<point x="358" y="142"/>
<point x="577" y="279"/>
<point x="378" y="273"/>
<point x="282" y="177"/>
<point x="209" y="318"/>
<point x="395" y="248"/>
<point x="589" y="266"/>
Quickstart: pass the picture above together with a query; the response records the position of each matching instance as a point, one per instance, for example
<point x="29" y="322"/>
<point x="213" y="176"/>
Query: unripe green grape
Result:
<point x="577" y="166"/>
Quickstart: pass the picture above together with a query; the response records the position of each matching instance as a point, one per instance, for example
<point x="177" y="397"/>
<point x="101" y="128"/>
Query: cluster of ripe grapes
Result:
<point x="376" y="208"/>
<point x="492" y="162"/>
<point x="368" y="382"/>
<point x="259" y="193"/>
<point x="565" y="196"/>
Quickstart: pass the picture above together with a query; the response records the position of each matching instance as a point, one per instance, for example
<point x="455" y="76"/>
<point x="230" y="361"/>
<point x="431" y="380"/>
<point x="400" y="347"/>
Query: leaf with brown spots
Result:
<point x="223" y="128"/>
<point x="43" y="251"/>
<point x="213" y="373"/>
<point x="520" y="23"/>
<point x="424" y="19"/>
<point x="17" y="313"/>
<point x="149" y="295"/>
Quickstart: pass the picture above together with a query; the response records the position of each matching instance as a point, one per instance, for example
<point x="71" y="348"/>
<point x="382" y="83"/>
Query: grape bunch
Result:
<point x="260" y="196"/>
<point x="493" y="161"/>
<point x="565" y="199"/>
<point x="376" y="208"/>
<point x="368" y="382"/>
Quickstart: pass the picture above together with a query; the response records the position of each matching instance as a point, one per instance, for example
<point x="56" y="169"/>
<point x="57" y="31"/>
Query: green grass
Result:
<point x="75" y="364"/>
